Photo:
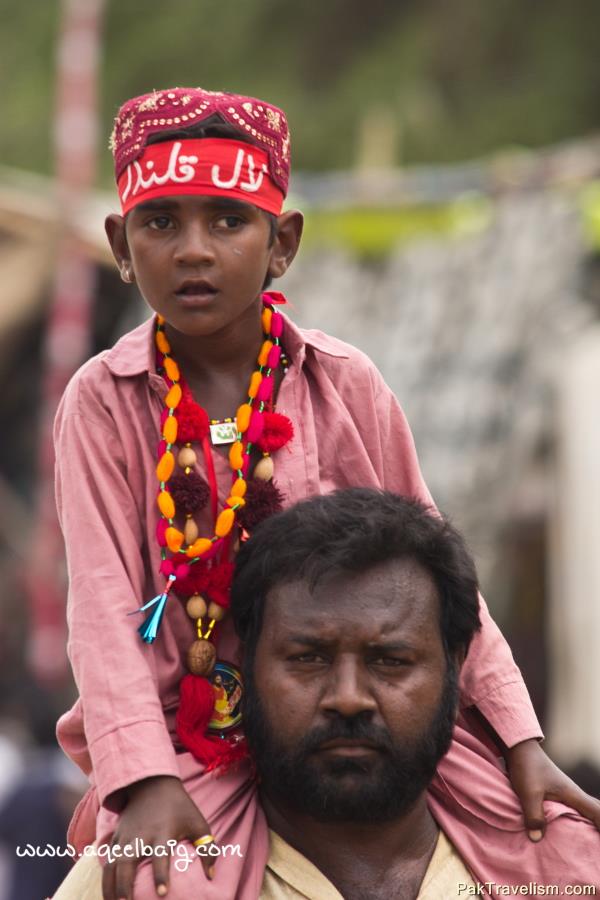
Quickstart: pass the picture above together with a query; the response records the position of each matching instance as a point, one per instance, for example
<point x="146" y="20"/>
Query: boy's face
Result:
<point x="201" y="261"/>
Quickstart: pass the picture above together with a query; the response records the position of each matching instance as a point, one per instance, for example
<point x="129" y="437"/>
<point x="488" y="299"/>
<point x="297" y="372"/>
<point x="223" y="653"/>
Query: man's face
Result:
<point x="198" y="261"/>
<point x="351" y="704"/>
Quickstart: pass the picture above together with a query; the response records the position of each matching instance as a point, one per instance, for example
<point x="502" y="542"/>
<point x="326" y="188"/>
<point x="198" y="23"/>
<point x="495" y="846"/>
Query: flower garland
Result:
<point x="185" y="554"/>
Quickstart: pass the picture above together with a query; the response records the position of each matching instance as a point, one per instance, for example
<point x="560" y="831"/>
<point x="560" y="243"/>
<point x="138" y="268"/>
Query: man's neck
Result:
<point x="368" y="860"/>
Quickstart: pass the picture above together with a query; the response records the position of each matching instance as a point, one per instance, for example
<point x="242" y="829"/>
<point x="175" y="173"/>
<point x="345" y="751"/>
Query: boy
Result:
<point x="202" y="177"/>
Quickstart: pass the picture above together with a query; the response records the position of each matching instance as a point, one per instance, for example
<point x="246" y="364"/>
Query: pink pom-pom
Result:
<point x="273" y="357"/>
<point x="167" y="568"/>
<point x="162" y="448"/>
<point x="245" y="465"/>
<point x="182" y="571"/>
<point x="163" y="417"/>
<point x="255" y="428"/>
<point x="277" y="325"/>
<point x="274" y="297"/>
<point x="161" y="529"/>
<point x="265" y="389"/>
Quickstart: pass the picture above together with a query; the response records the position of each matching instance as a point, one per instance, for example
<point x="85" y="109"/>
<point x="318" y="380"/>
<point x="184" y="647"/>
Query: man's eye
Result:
<point x="160" y="223"/>
<point x="307" y="658"/>
<point x="390" y="661"/>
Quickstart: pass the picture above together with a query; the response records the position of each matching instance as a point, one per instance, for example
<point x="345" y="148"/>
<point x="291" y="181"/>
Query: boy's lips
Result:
<point x="194" y="290"/>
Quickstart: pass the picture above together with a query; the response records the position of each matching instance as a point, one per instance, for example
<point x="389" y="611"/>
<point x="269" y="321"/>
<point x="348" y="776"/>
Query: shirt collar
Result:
<point x="134" y="353"/>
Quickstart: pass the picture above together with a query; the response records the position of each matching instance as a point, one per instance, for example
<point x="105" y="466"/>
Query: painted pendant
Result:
<point x="223" y="432"/>
<point x="227" y="683"/>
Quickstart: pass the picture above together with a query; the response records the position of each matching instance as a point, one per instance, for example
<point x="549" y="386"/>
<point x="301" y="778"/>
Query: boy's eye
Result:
<point x="230" y="222"/>
<point x="160" y="223"/>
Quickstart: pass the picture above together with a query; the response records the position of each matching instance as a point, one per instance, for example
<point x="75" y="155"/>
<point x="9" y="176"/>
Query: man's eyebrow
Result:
<point x="394" y="646"/>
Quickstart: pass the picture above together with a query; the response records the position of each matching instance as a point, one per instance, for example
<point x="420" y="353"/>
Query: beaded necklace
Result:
<point x="189" y="560"/>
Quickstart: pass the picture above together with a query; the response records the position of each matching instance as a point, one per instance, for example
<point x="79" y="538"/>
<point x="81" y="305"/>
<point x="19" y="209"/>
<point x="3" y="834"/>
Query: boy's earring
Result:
<point x="126" y="273"/>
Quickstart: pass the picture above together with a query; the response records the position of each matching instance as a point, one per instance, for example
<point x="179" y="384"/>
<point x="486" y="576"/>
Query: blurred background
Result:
<point x="447" y="157"/>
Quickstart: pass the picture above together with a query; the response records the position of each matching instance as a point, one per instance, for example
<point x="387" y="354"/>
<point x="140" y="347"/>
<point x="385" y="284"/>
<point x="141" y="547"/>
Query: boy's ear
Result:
<point x="286" y="243"/>
<point x="114" y="225"/>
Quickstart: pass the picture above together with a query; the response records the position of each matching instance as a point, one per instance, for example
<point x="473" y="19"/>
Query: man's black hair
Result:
<point x="214" y="127"/>
<point x="350" y="531"/>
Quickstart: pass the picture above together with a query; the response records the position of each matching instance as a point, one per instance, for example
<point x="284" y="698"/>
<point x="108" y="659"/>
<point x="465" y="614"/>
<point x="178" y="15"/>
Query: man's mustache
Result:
<point x="356" y="728"/>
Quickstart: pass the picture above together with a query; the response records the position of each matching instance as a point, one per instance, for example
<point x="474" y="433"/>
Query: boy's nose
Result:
<point x="194" y="246"/>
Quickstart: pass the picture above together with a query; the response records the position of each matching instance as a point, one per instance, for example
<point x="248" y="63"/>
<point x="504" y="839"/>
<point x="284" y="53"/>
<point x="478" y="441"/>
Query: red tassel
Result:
<point x="196" y="704"/>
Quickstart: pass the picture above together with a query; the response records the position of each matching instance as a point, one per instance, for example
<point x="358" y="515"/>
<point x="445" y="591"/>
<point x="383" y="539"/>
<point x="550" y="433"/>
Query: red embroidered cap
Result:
<point x="176" y="108"/>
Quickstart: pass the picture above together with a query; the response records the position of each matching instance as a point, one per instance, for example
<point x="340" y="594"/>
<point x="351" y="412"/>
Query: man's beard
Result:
<point x="349" y="789"/>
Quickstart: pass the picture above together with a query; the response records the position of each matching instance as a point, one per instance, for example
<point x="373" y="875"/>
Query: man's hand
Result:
<point x="536" y="778"/>
<point x="159" y="809"/>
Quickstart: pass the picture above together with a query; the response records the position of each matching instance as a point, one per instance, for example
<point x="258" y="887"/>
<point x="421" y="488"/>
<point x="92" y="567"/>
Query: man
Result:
<point x="356" y="611"/>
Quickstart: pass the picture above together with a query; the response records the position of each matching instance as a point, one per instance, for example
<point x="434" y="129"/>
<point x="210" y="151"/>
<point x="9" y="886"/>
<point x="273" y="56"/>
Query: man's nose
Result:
<point x="194" y="245"/>
<point x="348" y="690"/>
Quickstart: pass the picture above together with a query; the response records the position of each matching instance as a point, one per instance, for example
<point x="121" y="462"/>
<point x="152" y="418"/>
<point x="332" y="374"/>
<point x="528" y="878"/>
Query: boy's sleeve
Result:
<point x="114" y="670"/>
<point x="490" y="678"/>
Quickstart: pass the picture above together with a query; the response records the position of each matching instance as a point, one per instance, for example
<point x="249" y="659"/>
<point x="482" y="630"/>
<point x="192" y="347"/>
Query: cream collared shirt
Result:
<point x="290" y="876"/>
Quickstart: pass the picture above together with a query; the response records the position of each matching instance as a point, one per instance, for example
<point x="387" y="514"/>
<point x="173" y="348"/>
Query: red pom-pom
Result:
<point x="190" y="492"/>
<point x="196" y="582"/>
<point x="192" y="420"/>
<point x="263" y="499"/>
<point x="219" y="583"/>
<point x="277" y="432"/>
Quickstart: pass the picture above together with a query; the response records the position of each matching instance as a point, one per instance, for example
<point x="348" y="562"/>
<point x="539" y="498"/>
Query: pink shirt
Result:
<point x="349" y="430"/>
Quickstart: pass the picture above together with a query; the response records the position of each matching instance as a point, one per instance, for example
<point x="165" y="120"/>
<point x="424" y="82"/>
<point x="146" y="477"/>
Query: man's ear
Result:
<point x="114" y="225"/>
<point x="286" y="243"/>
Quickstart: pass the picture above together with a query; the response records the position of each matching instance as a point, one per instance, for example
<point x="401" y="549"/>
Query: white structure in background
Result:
<point x="574" y="732"/>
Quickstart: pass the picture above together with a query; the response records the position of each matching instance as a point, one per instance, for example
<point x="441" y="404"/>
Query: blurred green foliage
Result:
<point x="373" y="233"/>
<point x="455" y="79"/>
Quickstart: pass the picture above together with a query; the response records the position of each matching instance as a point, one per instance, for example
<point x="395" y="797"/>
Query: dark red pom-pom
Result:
<point x="192" y="420"/>
<point x="263" y="499"/>
<point x="277" y="432"/>
<point x="190" y="492"/>
<point x="219" y="583"/>
<point x="194" y="583"/>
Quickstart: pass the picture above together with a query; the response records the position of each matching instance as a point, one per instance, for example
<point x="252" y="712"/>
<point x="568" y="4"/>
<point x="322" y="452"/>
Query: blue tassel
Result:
<point x="149" y="627"/>
<point x="151" y="624"/>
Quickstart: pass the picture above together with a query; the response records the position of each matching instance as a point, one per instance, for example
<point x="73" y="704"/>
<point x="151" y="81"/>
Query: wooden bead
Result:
<point x="215" y="611"/>
<point x="196" y="607"/>
<point x="264" y="468"/>
<point x="190" y="531"/>
<point x="201" y="658"/>
<point x="186" y="457"/>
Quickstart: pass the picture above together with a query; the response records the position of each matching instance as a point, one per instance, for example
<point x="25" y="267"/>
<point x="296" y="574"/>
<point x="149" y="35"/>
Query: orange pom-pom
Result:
<point x="160" y="319"/>
<point x="173" y="398"/>
<point x="264" y="353"/>
<point x="266" y="319"/>
<point x="255" y="380"/>
<point x="236" y="455"/>
<point x="199" y="547"/>
<point x="242" y="417"/>
<point x="239" y="487"/>
<point x="171" y="368"/>
<point x="235" y="501"/>
<point x="162" y="342"/>
<point x="165" y="466"/>
<point x="166" y="504"/>
<point x="170" y="430"/>
<point x="224" y="522"/>
<point x="174" y="539"/>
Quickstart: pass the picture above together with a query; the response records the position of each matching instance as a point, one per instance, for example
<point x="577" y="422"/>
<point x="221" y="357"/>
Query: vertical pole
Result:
<point x="68" y="327"/>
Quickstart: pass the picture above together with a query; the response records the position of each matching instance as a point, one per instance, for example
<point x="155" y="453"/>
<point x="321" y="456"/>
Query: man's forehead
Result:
<point x="393" y="597"/>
